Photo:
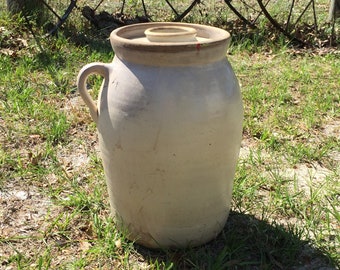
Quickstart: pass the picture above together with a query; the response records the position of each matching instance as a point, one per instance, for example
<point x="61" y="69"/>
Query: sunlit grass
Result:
<point x="54" y="205"/>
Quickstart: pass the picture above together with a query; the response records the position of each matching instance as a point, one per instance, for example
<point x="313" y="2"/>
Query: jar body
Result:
<point x="169" y="139"/>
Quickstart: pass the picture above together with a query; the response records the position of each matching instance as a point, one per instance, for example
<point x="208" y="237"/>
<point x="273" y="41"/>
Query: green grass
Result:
<point x="55" y="212"/>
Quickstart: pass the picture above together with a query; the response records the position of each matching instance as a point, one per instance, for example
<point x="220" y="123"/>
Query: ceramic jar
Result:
<point x="169" y="119"/>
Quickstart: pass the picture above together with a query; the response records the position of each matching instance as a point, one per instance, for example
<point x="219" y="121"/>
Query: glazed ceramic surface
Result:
<point x="169" y="119"/>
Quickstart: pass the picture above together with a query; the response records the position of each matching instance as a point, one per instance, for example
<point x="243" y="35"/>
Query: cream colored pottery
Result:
<point x="169" y="119"/>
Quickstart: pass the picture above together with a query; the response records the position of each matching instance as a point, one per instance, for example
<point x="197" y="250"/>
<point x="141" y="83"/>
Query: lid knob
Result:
<point x="171" y="34"/>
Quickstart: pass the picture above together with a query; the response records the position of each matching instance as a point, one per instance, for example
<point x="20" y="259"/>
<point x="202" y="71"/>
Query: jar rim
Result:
<point x="209" y="45"/>
<point x="134" y="35"/>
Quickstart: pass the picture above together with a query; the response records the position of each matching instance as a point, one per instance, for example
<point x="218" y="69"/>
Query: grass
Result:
<point x="54" y="210"/>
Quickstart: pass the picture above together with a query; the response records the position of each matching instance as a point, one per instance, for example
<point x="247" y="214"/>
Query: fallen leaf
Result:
<point x="118" y="243"/>
<point x="84" y="246"/>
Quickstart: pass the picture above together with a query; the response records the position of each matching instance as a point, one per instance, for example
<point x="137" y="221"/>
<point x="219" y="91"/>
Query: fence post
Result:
<point x="334" y="10"/>
<point x="29" y="8"/>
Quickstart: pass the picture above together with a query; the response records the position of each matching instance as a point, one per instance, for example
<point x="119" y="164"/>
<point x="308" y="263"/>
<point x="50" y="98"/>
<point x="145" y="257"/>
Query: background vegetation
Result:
<point x="54" y="210"/>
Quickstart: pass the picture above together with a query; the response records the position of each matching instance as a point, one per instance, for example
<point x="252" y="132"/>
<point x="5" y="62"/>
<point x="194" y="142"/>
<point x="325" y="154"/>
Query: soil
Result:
<point x="26" y="211"/>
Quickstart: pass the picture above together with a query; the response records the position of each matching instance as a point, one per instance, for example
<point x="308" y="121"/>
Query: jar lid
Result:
<point x="163" y="41"/>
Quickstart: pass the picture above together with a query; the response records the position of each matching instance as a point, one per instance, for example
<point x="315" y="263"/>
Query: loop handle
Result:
<point x="89" y="69"/>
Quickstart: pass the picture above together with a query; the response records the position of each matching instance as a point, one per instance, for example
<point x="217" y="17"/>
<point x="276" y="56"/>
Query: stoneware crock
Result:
<point x="169" y="119"/>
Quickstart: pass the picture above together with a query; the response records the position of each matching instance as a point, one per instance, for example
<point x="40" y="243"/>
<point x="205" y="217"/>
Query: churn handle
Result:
<point x="93" y="68"/>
